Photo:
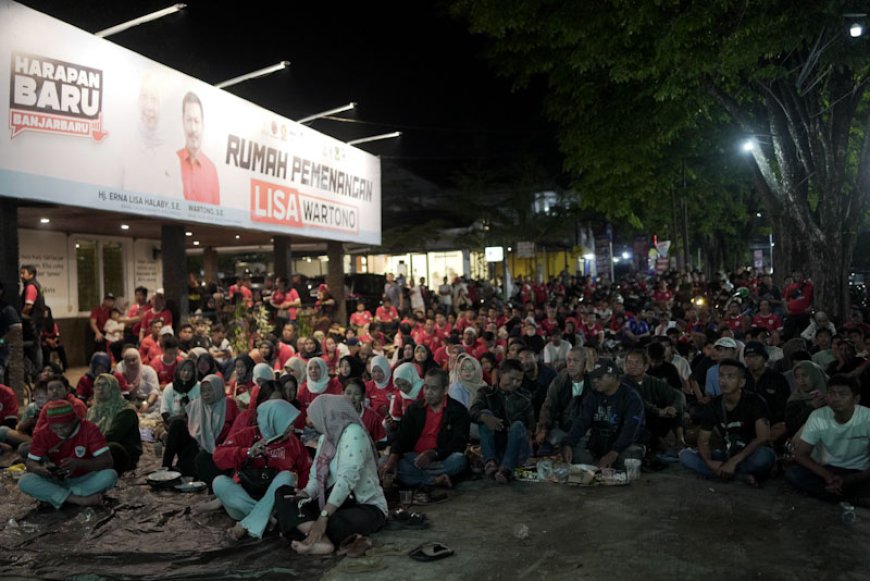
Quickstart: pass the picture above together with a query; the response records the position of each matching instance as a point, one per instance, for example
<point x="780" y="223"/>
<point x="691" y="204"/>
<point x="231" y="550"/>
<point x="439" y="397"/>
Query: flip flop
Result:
<point x="387" y="550"/>
<point x="362" y="565"/>
<point x="431" y="552"/>
<point x="410" y="521"/>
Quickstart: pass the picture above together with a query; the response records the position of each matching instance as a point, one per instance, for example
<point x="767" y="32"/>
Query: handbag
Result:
<point x="256" y="481"/>
<point x="291" y="511"/>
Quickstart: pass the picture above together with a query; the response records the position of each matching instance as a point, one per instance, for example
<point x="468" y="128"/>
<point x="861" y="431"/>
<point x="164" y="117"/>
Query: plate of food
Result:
<point x="195" y="486"/>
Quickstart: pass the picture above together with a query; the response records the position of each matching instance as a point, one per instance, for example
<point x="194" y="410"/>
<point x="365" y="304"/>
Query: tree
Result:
<point x="633" y="82"/>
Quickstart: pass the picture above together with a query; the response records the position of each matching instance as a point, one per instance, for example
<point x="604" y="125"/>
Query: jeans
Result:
<point x="57" y="491"/>
<point x="410" y="475"/>
<point x="252" y="514"/>
<point x="506" y="448"/>
<point x="757" y="464"/>
<point x="813" y="484"/>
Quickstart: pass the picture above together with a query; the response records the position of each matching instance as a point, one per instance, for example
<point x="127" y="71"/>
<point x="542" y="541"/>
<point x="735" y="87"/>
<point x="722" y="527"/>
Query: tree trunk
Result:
<point x="829" y="269"/>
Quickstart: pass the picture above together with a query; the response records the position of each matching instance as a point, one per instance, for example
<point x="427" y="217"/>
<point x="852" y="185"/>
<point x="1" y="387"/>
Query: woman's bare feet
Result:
<point x="207" y="506"/>
<point x="237" y="533"/>
<point x="443" y="480"/>
<point x="318" y="548"/>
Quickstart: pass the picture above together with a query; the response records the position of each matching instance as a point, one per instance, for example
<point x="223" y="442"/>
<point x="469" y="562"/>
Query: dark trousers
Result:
<point x="813" y="484"/>
<point x="350" y="519"/>
<point x="179" y="443"/>
<point x="61" y="354"/>
<point x="124" y="459"/>
<point x="206" y="470"/>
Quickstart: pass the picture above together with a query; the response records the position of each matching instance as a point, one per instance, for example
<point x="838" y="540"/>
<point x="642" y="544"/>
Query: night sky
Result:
<point x="409" y="66"/>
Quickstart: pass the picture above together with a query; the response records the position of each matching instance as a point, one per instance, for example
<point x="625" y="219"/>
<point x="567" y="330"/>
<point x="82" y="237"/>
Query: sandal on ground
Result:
<point x="362" y="565"/>
<point x="424" y="497"/>
<point x="503" y="476"/>
<point x="409" y="521"/>
<point x="431" y="552"/>
<point x="490" y="469"/>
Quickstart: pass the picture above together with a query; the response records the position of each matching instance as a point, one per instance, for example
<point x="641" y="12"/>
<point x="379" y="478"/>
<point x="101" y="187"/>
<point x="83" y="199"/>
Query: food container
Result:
<point x="164" y="479"/>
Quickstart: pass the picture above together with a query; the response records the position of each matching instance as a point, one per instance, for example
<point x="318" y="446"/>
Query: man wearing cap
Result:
<point x="739" y="419"/>
<point x="99" y="315"/>
<point x="724" y="348"/>
<point x="68" y="461"/>
<point x="769" y="384"/>
<point x="613" y="416"/>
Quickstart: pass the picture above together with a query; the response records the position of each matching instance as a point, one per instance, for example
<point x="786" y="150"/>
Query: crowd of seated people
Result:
<point x="419" y="395"/>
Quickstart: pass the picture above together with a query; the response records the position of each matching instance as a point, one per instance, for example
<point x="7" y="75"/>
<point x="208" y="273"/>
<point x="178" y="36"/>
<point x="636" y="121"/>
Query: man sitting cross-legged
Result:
<point x="68" y="461"/>
<point x="833" y="449"/>
<point x="506" y="419"/>
<point x="739" y="418"/>
<point x="613" y="416"/>
<point x="430" y="447"/>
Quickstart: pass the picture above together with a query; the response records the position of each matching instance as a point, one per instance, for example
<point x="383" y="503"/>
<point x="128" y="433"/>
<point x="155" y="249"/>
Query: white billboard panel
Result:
<point x="92" y="124"/>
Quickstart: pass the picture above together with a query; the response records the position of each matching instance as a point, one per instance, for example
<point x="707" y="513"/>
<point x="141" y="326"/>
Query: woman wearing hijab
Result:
<point x="174" y="409"/>
<point x="466" y="378"/>
<point x="423" y="359"/>
<point x="262" y="372"/>
<point x="118" y="422"/>
<point x="271" y="444"/>
<point x="242" y="382"/>
<point x="317" y="383"/>
<point x="310" y="348"/>
<point x="410" y="386"/>
<point x="355" y="391"/>
<point x="809" y="395"/>
<point x="141" y="379"/>
<point x="349" y="367"/>
<point x="100" y="363"/>
<point x="206" y="365"/>
<point x="209" y="421"/>
<point x="296" y="367"/>
<point x="380" y="389"/>
<point x="345" y="492"/>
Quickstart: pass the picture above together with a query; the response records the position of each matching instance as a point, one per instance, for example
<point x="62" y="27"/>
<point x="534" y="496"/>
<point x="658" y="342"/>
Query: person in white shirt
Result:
<point x="833" y="449"/>
<point x="556" y="349"/>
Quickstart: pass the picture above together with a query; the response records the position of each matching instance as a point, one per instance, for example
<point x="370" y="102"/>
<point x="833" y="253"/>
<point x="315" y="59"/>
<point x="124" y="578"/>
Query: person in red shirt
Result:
<point x="68" y="461"/>
<point x="242" y="383"/>
<point x="380" y="390"/>
<point x="98" y="318"/>
<point x="8" y="407"/>
<point x="137" y="310"/>
<point x="386" y="314"/>
<point x="198" y="175"/>
<point x="100" y="363"/>
<point x="271" y="444"/>
<point x="58" y="389"/>
<point x="430" y="447"/>
<point x="732" y="319"/>
<point x="318" y="382"/>
<point x="355" y="391"/>
<point x="798" y="298"/>
<point x="766" y="319"/>
<point x="158" y="310"/>
<point x="360" y="318"/>
<point x="166" y="364"/>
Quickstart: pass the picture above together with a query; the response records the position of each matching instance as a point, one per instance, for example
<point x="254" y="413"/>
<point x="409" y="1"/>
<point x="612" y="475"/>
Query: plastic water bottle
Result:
<point x="848" y="516"/>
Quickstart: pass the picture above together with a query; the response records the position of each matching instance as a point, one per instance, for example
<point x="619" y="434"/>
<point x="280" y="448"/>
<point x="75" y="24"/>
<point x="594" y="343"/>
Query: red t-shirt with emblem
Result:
<point x="771" y="322"/>
<point x="8" y="404"/>
<point x="86" y="443"/>
<point x="165" y="371"/>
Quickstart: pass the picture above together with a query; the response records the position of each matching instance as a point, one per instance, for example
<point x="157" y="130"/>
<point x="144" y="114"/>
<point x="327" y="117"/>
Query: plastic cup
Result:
<point x="632" y="467"/>
<point x="405" y="498"/>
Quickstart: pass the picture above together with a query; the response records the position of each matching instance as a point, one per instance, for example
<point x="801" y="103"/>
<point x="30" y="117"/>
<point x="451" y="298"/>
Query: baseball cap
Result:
<point x="166" y="330"/>
<point x="726" y="343"/>
<point x="352" y="342"/>
<point x="109" y="296"/>
<point x="605" y="366"/>
<point x="755" y="348"/>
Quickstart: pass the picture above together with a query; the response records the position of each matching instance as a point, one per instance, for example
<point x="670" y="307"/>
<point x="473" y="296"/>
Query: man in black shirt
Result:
<point x="9" y="320"/>
<point x="739" y="421"/>
<point x="769" y="384"/>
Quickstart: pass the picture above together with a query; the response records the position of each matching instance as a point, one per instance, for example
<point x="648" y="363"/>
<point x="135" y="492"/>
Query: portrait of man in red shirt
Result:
<point x="198" y="174"/>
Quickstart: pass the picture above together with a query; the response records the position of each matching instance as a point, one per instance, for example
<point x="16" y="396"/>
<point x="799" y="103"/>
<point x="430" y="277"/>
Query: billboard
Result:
<point x="94" y="125"/>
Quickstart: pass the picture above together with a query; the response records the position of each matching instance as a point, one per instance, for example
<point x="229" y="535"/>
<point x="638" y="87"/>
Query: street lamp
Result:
<point x="375" y="138"/>
<point x="253" y="75"/>
<point x="748" y="145"/>
<point x="141" y="20"/>
<point x="856" y="30"/>
<point x="328" y="112"/>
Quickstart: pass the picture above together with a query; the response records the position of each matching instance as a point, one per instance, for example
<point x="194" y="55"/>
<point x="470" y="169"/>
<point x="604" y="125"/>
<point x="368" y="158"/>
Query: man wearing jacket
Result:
<point x="506" y="418"/>
<point x="663" y="404"/>
<point x="563" y="399"/>
<point x="613" y="414"/>
<point x="433" y="433"/>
